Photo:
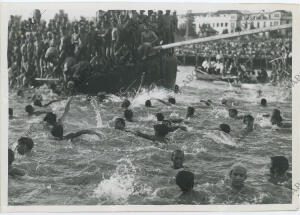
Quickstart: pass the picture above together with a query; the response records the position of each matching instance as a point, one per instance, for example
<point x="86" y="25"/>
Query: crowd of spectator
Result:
<point x="115" y="37"/>
<point x="244" y="48"/>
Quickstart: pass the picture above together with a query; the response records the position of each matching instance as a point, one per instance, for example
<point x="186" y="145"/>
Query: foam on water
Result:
<point x="120" y="185"/>
<point x="96" y="108"/>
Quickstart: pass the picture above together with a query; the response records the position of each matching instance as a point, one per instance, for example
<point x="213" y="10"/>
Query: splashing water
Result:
<point x="119" y="186"/>
<point x="145" y="94"/>
<point x="97" y="112"/>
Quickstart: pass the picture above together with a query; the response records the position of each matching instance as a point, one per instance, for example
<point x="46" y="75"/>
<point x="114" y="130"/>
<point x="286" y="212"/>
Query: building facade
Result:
<point x="229" y="21"/>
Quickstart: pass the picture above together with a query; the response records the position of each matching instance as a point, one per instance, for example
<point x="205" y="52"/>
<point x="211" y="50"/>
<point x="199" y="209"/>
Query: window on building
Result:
<point x="287" y="21"/>
<point x="271" y="23"/>
<point x="264" y="24"/>
<point x="226" y="24"/>
<point x="222" y="24"/>
<point x="258" y="24"/>
<point x="276" y="15"/>
<point x="217" y="24"/>
<point x="213" y="24"/>
<point x="275" y="23"/>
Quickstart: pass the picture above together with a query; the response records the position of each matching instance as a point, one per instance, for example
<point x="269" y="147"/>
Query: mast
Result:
<point x="222" y="36"/>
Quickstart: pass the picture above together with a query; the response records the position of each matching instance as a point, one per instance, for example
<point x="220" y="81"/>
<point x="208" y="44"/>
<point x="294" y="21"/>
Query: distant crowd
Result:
<point x="115" y="37"/>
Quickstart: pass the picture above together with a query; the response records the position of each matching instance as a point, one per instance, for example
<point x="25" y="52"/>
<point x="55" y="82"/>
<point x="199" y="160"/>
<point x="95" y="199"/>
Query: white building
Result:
<point x="232" y="20"/>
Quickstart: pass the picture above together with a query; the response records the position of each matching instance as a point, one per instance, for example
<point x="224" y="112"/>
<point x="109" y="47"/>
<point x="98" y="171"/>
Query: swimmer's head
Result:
<point x="120" y="124"/>
<point x="172" y="100"/>
<point x="176" y="88"/>
<point x="10" y="112"/>
<point x="233" y="113"/>
<point x="101" y="96"/>
<point x="161" y="130"/>
<point x="29" y="109"/>
<point x="185" y="180"/>
<point x="279" y="166"/>
<point x="160" y="117"/>
<point x="25" y="144"/>
<point x="190" y="112"/>
<point x="238" y="175"/>
<point x="50" y="118"/>
<point x="128" y="114"/>
<point x="249" y="121"/>
<point x="224" y="101"/>
<point x="70" y="85"/>
<point x="225" y="128"/>
<point x="276" y="118"/>
<point x="20" y="93"/>
<point x="208" y="102"/>
<point x="11" y="157"/>
<point x="148" y="103"/>
<point x="57" y="131"/>
<point x="126" y="103"/>
<point x="177" y="158"/>
<point x="263" y="102"/>
<point x="37" y="103"/>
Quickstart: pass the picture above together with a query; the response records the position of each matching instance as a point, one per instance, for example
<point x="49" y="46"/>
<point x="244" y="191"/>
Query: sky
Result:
<point x="75" y="12"/>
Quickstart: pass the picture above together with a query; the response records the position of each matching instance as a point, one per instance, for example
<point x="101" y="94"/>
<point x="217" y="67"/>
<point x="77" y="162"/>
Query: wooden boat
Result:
<point x="202" y="75"/>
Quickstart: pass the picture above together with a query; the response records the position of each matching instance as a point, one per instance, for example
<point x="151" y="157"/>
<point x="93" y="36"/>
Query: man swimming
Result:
<point x="263" y="102"/>
<point x="177" y="159"/>
<point x="126" y="103"/>
<point x="249" y="121"/>
<point x="11" y="170"/>
<point x="278" y="171"/>
<point x="39" y="103"/>
<point x="58" y="132"/>
<point x="233" y="113"/>
<point x="276" y="119"/>
<point x="25" y="145"/>
<point x="30" y="110"/>
<point x="128" y="114"/>
<point x="160" y="133"/>
<point x="185" y="181"/>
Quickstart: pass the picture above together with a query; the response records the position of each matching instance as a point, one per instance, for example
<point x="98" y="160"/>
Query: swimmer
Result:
<point x="11" y="170"/>
<point x="263" y="102"/>
<point x="120" y="124"/>
<point x="126" y="103"/>
<point x="160" y="133"/>
<point x="177" y="159"/>
<point x="39" y="103"/>
<point x="190" y="112"/>
<point x="276" y="119"/>
<point x="207" y="102"/>
<point x="185" y="181"/>
<point x="172" y="128"/>
<point x="58" y="132"/>
<point x="249" y="121"/>
<point x="10" y="112"/>
<point x="278" y="171"/>
<point x="233" y="113"/>
<point x="25" y="145"/>
<point x="225" y="128"/>
<point x="238" y="176"/>
<point x="171" y="101"/>
<point x="176" y="89"/>
<point x="30" y="110"/>
<point x="148" y="103"/>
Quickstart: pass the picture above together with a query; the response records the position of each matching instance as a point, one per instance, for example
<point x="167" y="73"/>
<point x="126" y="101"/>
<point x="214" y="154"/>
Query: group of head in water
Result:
<point x="163" y="126"/>
<point x="237" y="174"/>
